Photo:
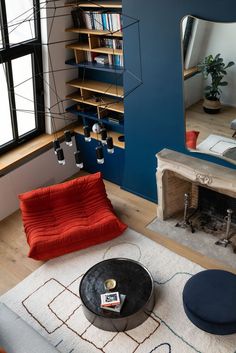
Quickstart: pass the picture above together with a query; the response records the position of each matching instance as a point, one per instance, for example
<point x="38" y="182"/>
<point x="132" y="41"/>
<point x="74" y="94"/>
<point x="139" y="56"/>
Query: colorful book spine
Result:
<point x="104" y="22"/>
<point x="101" y="21"/>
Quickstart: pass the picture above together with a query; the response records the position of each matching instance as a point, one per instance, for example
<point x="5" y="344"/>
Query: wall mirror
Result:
<point x="209" y="71"/>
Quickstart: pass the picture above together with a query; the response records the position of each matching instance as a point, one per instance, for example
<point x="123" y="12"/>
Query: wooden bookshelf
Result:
<point x="98" y="86"/>
<point x="107" y="103"/>
<point x="78" y="46"/>
<point x="101" y="50"/>
<point x="94" y="32"/>
<point x="100" y="4"/>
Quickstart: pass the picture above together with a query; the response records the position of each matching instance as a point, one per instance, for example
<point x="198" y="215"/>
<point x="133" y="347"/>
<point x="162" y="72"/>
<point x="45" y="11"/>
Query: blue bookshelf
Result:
<point x="95" y="66"/>
<point x="98" y="94"/>
<point x="90" y="118"/>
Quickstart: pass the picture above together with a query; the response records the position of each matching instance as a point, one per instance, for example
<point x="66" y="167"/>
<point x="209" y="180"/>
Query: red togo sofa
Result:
<point x="66" y="217"/>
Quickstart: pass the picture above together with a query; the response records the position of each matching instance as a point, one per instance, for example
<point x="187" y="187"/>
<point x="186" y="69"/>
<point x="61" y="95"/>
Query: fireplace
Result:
<point x="210" y="188"/>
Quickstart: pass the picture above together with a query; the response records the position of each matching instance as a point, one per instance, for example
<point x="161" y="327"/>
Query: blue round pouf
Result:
<point x="209" y="300"/>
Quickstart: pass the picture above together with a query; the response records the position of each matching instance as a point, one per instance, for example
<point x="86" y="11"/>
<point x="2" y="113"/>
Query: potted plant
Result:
<point x="215" y="68"/>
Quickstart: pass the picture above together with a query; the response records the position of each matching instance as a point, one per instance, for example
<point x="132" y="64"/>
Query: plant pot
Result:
<point x="211" y="105"/>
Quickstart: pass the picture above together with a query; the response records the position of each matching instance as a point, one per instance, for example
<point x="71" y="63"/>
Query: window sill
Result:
<point x="190" y="72"/>
<point x="29" y="150"/>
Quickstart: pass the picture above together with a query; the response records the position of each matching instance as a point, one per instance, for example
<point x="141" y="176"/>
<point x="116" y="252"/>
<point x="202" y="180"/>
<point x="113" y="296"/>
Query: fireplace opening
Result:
<point x="213" y="213"/>
<point x="215" y="203"/>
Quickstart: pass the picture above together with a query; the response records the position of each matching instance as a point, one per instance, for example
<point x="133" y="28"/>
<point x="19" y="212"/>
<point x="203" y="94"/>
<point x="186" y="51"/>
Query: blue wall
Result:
<point x="154" y="112"/>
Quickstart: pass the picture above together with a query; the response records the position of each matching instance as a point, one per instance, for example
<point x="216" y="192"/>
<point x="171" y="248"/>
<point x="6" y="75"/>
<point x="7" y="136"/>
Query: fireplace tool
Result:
<point x="226" y="240"/>
<point x="186" y="223"/>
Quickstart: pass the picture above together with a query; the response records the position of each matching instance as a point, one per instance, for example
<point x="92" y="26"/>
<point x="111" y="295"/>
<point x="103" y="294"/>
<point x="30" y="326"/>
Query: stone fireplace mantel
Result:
<point x="178" y="174"/>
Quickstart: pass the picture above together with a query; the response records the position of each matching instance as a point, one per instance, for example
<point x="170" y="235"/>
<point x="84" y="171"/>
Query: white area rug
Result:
<point x="216" y="144"/>
<point x="48" y="300"/>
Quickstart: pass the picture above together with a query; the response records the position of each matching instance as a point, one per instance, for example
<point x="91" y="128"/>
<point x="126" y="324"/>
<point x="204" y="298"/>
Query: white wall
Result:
<point x="54" y="39"/>
<point x="41" y="171"/>
<point x="222" y="40"/>
<point x="193" y="90"/>
<point x="211" y="38"/>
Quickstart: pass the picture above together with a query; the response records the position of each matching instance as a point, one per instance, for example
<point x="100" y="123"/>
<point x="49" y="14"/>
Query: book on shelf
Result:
<point x="115" y="117"/>
<point x="113" y="60"/>
<point x="113" y="22"/>
<point x="98" y="20"/>
<point x="114" y="120"/>
<point x="77" y="18"/>
<point x="88" y="20"/>
<point x="110" y="42"/>
<point x="101" y="59"/>
<point x="118" y="60"/>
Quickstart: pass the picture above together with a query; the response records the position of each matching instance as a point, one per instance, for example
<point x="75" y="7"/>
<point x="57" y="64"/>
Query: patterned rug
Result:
<point x="49" y="301"/>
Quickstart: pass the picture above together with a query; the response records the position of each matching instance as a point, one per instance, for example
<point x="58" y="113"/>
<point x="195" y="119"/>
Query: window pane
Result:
<point x="20" y="19"/>
<point x="0" y="38"/>
<point x="24" y="93"/>
<point x="6" y="134"/>
<point x="184" y="23"/>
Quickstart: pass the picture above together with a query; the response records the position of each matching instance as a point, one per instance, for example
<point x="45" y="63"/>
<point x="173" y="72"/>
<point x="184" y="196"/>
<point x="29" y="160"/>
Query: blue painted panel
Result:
<point x="154" y="112"/>
<point x="112" y="169"/>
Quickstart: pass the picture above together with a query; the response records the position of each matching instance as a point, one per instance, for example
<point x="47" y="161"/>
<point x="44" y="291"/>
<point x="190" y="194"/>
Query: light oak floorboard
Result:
<point x="207" y="124"/>
<point x="135" y="211"/>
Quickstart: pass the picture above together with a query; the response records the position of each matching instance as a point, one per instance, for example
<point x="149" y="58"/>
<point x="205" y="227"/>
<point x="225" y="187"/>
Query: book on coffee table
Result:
<point x="110" y="299"/>
<point x="117" y="308"/>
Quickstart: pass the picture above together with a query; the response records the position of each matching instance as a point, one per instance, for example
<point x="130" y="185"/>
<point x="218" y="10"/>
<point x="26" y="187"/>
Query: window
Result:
<point x="21" y="73"/>
<point x="187" y="28"/>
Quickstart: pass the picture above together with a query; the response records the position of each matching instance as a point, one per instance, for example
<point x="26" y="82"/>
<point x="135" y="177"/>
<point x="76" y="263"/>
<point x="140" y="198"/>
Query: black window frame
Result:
<point x="14" y="51"/>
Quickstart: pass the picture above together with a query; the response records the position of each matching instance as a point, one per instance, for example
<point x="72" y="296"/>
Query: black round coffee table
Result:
<point x="132" y="279"/>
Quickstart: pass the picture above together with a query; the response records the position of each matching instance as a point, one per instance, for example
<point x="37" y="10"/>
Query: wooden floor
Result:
<point x="218" y="124"/>
<point x="133" y="210"/>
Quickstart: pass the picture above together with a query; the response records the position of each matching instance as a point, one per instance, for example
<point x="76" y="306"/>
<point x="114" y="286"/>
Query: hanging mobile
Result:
<point x="56" y="145"/>
<point x="99" y="154"/>
<point x="60" y="156"/>
<point x="110" y="146"/>
<point x="78" y="160"/>
<point x="68" y="139"/>
<point x="87" y="136"/>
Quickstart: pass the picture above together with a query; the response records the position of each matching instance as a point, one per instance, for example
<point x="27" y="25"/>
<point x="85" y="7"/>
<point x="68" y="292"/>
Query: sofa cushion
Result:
<point x="16" y="336"/>
<point x="66" y="217"/>
<point x="191" y="139"/>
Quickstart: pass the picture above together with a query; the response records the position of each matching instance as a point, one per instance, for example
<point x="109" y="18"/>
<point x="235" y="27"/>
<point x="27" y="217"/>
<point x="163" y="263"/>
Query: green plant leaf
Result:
<point x="231" y="63"/>
<point x="215" y="69"/>
<point x="224" y="83"/>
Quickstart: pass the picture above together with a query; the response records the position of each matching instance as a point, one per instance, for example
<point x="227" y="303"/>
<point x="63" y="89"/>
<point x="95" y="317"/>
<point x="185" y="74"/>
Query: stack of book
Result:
<point x="115" y="118"/>
<point x="101" y="59"/>
<point x="109" y="42"/>
<point x="112" y="301"/>
<point x="97" y="20"/>
<point x="116" y="60"/>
